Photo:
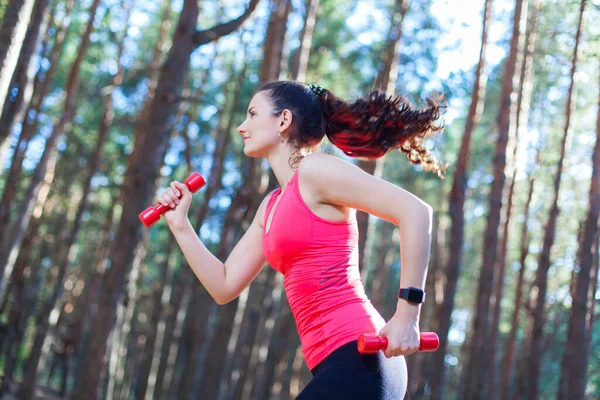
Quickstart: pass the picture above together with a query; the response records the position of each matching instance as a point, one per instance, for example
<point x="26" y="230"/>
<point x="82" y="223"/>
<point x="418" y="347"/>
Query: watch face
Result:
<point x="415" y="295"/>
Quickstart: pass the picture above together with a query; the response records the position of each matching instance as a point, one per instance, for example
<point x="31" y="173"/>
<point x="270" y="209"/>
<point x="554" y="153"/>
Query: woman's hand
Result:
<point x="177" y="198"/>
<point x="402" y="332"/>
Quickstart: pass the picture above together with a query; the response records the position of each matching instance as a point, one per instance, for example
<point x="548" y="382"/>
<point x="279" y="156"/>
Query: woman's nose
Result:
<point x="240" y="129"/>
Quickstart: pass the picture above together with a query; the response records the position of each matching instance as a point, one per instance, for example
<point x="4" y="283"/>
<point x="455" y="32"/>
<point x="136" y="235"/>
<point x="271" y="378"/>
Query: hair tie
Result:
<point x="316" y="88"/>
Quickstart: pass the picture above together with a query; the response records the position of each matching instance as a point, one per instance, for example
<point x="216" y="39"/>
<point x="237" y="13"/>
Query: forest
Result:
<point x="104" y="102"/>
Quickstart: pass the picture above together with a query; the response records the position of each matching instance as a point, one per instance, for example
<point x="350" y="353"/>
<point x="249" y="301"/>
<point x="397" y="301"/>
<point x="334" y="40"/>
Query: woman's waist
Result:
<point x="328" y="318"/>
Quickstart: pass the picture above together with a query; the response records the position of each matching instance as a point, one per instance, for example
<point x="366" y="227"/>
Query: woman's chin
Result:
<point x="251" y="153"/>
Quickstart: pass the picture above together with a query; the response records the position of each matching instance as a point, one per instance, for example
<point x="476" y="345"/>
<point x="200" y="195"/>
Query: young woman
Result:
<point x="307" y="230"/>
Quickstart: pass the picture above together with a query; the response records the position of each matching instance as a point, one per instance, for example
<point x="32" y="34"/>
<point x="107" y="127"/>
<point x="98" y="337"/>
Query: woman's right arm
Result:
<point x="225" y="281"/>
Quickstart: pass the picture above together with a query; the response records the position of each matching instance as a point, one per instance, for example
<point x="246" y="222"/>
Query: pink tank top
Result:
<point x="319" y="261"/>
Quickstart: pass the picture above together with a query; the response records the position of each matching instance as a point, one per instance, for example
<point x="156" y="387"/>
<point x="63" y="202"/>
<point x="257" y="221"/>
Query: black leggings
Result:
<point x="347" y="374"/>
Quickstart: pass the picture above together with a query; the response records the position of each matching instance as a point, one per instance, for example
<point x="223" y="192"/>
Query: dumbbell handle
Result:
<point x="152" y="214"/>
<point x="369" y="344"/>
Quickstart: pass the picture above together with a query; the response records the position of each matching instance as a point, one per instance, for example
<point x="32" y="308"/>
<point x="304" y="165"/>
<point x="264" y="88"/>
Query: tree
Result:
<point x="142" y="170"/>
<point x="576" y="352"/>
<point x="456" y="209"/>
<point x="14" y="27"/>
<point x="476" y="367"/>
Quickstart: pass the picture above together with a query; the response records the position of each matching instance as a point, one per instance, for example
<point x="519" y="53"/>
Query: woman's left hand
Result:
<point x="402" y="333"/>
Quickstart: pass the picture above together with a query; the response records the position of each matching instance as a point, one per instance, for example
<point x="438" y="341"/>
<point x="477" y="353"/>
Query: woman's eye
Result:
<point x="252" y="114"/>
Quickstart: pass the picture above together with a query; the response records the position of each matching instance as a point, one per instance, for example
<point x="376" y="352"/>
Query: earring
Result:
<point x="281" y="138"/>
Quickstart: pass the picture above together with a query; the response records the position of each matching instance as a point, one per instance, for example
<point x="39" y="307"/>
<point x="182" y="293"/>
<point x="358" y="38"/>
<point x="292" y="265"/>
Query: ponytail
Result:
<point x="368" y="128"/>
<point x="376" y="124"/>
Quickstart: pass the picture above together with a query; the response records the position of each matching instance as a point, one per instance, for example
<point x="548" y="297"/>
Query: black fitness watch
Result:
<point x="412" y="295"/>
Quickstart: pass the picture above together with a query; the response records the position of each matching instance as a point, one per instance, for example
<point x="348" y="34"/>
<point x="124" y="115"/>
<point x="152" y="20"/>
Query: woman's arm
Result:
<point x="225" y="281"/>
<point x="335" y="181"/>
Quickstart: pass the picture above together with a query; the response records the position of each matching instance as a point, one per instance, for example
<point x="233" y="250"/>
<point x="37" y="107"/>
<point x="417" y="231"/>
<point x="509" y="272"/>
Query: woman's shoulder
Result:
<point x="320" y="163"/>
<point x="318" y="173"/>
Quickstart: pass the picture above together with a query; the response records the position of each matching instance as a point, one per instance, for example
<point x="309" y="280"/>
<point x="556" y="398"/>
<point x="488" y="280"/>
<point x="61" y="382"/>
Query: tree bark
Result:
<point x="160" y="301"/>
<point x="519" y="119"/>
<point x="456" y="202"/>
<point x="576" y="352"/>
<point x="25" y="68"/>
<point x="475" y="371"/>
<point x="158" y="298"/>
<point x="508" y="359"/>
<point x="541" y="278"/>
<point x="125" y="334"/>
<point x="29" y="126"/>
<point x="386" y="81"/>
<point x="44" y="171"/>
<point x="142" y="170"/>
<point x="14" y="26"/>
<point x="172" y="321"/>
<point x="300" y="62"/>
<point x="222" y="137"/>
<point x="285" y="337"/>
<point x="23" y="298"/>
<point x="253" y="191"/>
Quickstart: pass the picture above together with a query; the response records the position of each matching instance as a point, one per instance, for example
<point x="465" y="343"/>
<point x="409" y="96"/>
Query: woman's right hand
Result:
<point x="177" y="198"/>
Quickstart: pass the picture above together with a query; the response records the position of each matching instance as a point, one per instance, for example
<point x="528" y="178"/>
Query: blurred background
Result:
<point x="104" y="102"/>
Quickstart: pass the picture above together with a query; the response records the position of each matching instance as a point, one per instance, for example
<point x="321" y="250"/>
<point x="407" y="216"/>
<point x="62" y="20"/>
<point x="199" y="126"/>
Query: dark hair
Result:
<point x="368" y="128"/>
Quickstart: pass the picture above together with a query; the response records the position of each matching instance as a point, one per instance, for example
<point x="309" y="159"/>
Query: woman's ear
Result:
<point x="285" y="120"/>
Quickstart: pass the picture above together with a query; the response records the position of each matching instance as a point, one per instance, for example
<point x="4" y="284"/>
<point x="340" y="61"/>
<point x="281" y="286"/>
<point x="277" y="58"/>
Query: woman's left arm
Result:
<point x="335" y="181"/>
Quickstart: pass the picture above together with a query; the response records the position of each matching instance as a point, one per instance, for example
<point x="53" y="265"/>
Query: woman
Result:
<point x="307" y="230"/>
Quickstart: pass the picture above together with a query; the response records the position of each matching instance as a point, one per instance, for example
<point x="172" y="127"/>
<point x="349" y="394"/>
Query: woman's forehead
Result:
<point x="259" y="100"/>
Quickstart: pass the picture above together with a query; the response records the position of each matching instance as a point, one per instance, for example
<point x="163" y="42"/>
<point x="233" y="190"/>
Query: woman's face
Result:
<point x="260" y="129"/>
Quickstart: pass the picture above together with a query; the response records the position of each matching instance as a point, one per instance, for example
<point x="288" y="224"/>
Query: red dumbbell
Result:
<point x="369" y="344"/>
<point x="152" y="214"/>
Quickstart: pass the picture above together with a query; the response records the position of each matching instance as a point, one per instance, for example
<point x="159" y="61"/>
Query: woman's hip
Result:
<point x="348" y="374"/>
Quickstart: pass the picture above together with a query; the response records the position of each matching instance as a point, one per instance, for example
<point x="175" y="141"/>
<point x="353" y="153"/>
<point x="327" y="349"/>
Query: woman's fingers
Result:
<point x="173" y="196"/>
<point x="170" y="197"/>
<point x="174" y="186"/>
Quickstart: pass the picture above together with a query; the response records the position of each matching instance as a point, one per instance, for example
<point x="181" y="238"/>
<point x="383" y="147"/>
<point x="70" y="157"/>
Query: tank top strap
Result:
<point x="270" y="206"/>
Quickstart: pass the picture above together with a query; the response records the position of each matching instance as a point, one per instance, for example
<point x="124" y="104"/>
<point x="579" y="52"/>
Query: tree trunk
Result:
<point x="45" y="167"/>
<point x="246" y="339"/>
<point x="420" y="364"/>
<point x="456" y="203"/>
<point x="22" y="301"/>
<point x="519" y="118"/>
<point x="271" y="66"/>
<point x="29" y="126"/>
<point x="300" y="62"/>
<point x="159" y="294"/>
<point x="13" y="29"/>
<point x="524" y="99"/>
<point x="475" y="371"/>
<point x="284" y="335"/>
<point x="124" y="334"/>
<point x="508" y="361"/>
<point x="541" y="278"/>
<point x="86" y="306"/>
<point x="172" y="321"/>
<point x="270" y="69"/>
<point x="55" y="281"/>
<point x="25" y="68"/>
<point x="142" y="170"/>
<point x="277" y="349"/>
<point x="195" y="325"/>
<point x="160" y="301"/>
<point x="384" y="256"/>
<point x="386" y="81"/>
<point x="576" y="354"/>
